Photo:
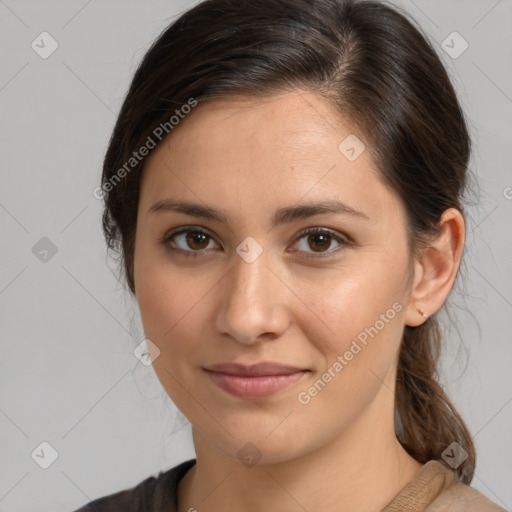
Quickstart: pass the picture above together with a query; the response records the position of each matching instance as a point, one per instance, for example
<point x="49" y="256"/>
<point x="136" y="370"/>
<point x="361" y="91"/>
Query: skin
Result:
<point x="248" y="157"/>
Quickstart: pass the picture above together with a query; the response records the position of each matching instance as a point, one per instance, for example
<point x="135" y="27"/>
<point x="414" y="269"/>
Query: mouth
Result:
<point x="253" y="370"/>
<point x="254" y="381"/>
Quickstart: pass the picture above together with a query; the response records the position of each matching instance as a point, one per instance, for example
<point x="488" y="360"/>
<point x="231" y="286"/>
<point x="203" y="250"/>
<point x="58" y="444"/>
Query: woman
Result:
<point x="285" y="184"/>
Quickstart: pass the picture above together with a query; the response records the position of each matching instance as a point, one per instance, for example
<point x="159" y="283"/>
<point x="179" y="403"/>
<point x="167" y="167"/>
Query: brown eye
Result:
<point x="319" y="240"/>
<point x="196" y="240"/>
<point x="192" y="241"/>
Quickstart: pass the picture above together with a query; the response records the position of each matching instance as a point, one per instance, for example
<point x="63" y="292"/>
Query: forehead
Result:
<point x="295" y="117"/>
<point x="264" y="151"/>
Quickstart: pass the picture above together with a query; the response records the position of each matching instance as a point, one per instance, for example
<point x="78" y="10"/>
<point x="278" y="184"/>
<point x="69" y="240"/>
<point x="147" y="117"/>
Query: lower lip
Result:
<point x="254" y="387"/>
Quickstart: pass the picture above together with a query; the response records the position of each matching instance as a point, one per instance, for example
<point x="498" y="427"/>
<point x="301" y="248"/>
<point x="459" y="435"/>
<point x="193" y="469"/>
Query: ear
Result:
<point x="436" y="268"/>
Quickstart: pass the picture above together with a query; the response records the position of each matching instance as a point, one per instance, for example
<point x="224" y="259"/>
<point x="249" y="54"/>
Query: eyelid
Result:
<point x="342" y="239"/>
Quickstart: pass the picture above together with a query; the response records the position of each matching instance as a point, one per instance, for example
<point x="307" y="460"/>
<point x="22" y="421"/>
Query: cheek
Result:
<point x="348" y="302"/>
<point x="358" y="336"/>
<point x="162" y="291"/>
<point x="165" y="299"/>
<point x="169" y="312"/>
<point x="360" y="319"/>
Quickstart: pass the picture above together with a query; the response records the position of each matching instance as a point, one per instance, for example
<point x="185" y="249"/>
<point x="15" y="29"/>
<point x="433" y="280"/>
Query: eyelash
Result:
<point x="343" y="241"/>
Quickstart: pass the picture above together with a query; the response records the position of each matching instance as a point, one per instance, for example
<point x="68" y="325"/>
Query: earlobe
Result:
<point x="416" y="313"/>
<point x="436" y="268"/>
<point x="422" y="313"/>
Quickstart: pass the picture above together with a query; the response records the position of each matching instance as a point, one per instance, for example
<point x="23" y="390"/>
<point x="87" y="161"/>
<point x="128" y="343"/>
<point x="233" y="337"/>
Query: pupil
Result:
<point x="193" y="238"/>
<point x="314" y="239"/>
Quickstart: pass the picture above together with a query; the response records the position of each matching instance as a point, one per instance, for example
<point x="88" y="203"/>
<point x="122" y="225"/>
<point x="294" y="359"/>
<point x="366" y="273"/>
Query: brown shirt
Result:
<point x="433" y="489"/>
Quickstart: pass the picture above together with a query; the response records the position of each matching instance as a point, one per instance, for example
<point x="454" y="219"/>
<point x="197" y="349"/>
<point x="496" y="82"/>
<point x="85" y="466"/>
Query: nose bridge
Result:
<point x="250" y="268"/>
<point x="251" y="304"/>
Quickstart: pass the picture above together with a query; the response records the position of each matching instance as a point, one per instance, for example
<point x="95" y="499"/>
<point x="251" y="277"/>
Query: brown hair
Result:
<point x="377" y="68"/>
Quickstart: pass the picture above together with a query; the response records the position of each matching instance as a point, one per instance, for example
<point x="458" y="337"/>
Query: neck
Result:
<point x="361" y="470"/>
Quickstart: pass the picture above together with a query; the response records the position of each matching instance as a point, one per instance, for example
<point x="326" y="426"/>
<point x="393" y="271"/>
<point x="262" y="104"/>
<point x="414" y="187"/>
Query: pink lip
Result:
<point x="254" y="381"/>
<point x="251" y="370"/>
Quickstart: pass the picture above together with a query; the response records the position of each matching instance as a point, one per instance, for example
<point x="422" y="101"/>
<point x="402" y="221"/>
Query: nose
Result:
<point x="253" y="301"/>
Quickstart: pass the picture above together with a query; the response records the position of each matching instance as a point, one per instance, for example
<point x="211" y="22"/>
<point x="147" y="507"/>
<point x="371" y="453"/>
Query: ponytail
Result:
<point x="427" y="420"/>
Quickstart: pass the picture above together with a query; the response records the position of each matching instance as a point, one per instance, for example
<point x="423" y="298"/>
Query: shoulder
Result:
<point x="450" y="494"/>
<point x="463" y="498"/>
<point x="435" y="489"/>
<point x="152" y="494"/>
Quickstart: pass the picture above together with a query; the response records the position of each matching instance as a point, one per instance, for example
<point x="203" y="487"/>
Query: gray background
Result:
<point x="67" y="374"/>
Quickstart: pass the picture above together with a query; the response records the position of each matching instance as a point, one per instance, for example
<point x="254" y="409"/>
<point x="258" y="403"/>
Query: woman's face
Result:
<point x="242" y="282"/>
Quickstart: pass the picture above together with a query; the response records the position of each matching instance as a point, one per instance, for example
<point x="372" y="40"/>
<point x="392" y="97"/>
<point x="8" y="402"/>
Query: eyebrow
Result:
<point x="281" y="216"/>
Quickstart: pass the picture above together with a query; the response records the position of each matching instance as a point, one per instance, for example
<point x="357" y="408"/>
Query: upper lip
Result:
<point x="265" y="368"/>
